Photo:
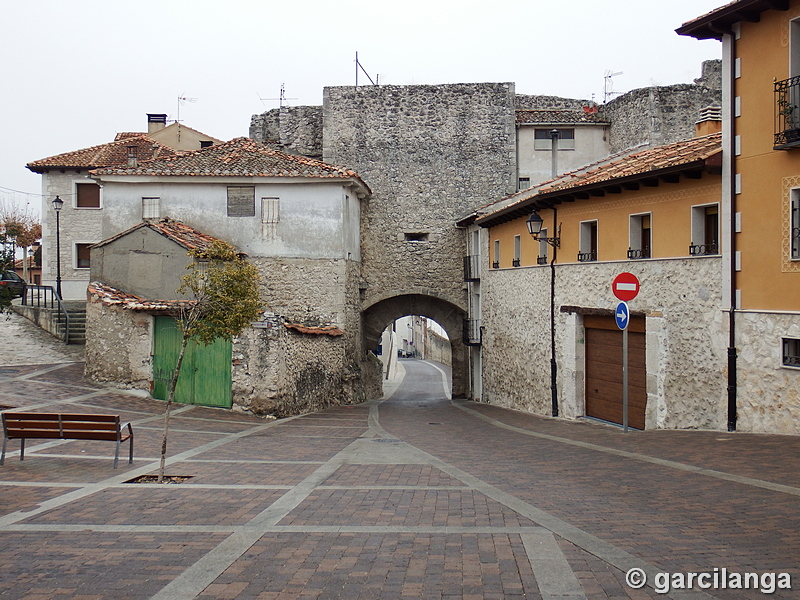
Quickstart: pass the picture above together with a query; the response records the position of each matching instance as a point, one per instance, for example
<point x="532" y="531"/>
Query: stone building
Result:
<point x="297" y="219"/>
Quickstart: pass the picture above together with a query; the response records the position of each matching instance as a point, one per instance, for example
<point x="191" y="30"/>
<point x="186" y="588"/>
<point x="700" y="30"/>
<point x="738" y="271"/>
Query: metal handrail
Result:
<point x="45" y="296"/>
<point x="787" y="113"/>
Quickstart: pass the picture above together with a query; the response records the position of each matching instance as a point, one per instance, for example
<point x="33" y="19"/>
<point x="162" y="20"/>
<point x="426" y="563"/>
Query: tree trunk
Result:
<point x="173" y="384"/>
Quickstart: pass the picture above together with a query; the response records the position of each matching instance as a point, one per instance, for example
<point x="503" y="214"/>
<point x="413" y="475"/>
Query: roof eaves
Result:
<point x="718" y="22"/>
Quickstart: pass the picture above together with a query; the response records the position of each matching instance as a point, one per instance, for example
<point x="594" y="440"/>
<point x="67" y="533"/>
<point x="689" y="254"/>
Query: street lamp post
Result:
<point x="58" y="204"/>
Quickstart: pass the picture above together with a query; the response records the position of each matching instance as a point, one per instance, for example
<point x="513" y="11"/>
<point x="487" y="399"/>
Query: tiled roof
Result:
<point x="644" y="162"/>
<point x="325" y="330"/>
<point x="626" y="166"/>
<point x="714" y="24"/>
<point x="100" y="293"/>
<point x="104" y="155"/>
<point x="240" y="156"/>
<point x="180" y="233"/>
<point x="555" y="117"/>
<point x="124" y="135"/>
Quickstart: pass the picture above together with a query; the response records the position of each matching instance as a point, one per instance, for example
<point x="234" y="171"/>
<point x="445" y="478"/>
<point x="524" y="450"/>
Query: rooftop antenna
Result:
<point x="282" y="99"/>
<point x="182" y="99"/>
<point x="608" y="85"/>
<point x="358" y="66"/>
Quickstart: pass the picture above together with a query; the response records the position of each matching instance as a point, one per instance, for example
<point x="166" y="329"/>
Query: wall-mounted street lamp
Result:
<point x="58" y="204"/>
<point x="534" y="224"/>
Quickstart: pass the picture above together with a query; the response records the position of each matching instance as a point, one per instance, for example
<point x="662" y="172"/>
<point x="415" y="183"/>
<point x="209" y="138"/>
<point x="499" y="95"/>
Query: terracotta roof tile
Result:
<point x="124" y="135"/>
<point x="104" y="155"/>
<point x="180" y="233"/>
<point x="238" y="157"/>
<point x="100" y="293"/>
<point x="554" y="117"/>
<point x="643" y="162"/>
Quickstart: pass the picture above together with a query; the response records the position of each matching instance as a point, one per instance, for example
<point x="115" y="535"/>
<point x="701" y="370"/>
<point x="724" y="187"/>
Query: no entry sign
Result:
<point x="625" y="286"/>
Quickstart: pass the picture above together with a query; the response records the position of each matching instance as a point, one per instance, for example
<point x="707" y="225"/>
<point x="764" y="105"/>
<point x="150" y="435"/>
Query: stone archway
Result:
<point x="380" y="314"/>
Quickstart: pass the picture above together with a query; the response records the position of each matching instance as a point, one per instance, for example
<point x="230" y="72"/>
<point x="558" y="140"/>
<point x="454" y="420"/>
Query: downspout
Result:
<point x="729" y="178"/>
<point x="553" y="363"/>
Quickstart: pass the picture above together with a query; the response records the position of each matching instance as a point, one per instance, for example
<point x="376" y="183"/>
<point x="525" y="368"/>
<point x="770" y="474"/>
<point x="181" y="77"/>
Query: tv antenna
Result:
<point x="608" y="85"/>
<point x="182" y="99"/>
<point x="358" y="66"/>
<point x="282" y="99"/>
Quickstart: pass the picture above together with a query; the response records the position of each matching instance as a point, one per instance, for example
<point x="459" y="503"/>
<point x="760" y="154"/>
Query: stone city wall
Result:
<point x="294" y="129"/>
<point x="686" y="337"/>
<point x="662" y="114"/>
<point x="437" y="348"/>
<point x="768" y="394"/>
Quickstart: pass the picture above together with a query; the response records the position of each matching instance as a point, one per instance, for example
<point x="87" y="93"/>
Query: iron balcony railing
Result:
<point x="787" y="113"/>
<point x="638" y="253"/>
<point x="515" y="262"/>
<point x="541" y="260"/>
<point x="496" y="264"/>
<point x="473" y="332"/>
<point x="590" y="256"/>
<point x="703" y="249"/>
<point x="472" y="268"/>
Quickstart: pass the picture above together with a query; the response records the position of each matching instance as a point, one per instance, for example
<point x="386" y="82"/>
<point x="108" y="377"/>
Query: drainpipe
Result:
<point x="729" y="165"/>
<point x="554" y="157"/>
<point x="553" y="363"/>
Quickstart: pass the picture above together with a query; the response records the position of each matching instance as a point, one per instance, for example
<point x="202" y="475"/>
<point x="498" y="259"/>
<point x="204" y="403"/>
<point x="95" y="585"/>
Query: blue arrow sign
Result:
<point x="622" y="315"/>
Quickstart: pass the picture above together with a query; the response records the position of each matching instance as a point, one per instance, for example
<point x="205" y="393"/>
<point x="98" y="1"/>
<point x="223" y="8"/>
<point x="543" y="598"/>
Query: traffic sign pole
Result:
<point x="625" y="287"/>
<point x="625" y="380"/>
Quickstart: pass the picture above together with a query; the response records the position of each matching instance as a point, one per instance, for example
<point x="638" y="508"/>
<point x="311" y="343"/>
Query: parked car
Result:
<point x="13" y="282"/>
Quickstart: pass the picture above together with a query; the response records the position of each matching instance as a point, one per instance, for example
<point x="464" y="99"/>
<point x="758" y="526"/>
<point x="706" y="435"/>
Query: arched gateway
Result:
<point x="381" y="313"/>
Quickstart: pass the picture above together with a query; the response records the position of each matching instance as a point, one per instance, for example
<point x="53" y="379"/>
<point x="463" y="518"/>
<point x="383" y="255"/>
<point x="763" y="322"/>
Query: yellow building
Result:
<point x="550" y="343"/>
<point x="760" y="206"/>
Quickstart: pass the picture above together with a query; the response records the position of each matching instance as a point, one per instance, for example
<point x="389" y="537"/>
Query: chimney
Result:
<point x="156" y="122"/>
<point x="710" y="121"/>
<point x="133" y="156"/>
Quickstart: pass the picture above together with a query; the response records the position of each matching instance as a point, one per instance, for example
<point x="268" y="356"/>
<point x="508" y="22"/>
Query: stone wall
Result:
<point x="768" y="394"/>
<point x="437" y="348"/>
<point x="295" y="129"/>
<point x="664" y="114"/>
<point x="529" y="102"/>
<point x="686" y="337"/>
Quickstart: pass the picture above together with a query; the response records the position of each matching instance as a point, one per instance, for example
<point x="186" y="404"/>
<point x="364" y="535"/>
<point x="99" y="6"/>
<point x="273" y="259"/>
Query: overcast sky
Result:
<point x="76" y="72"/>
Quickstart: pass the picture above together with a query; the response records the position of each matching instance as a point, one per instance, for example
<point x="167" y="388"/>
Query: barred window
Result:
<point x="795" y="225"/>
<point x="270" y="210"/>
<point x="151" y="208"/>
<point x="791" y="352"/>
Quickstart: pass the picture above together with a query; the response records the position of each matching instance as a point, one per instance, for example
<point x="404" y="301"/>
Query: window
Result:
<point x="791" y="352"/>
<point x="416" y="236"/>
<point x="517" y="250"/>
<point x="543" y="248"/>
<point x="151" y="208"/>
<point x="87" y="195"/>
<point x="524" y="183"/>
<point x="496" y="261"/>
<point x="241" y="201"/>
<point x="588" y="250"/>
<point x="639" y="236"/>
<point x="270" y="210"/>
<point x="82" y="256"/>
<point x="543" y="141"/>
<point x="705" y="230"/>
<point x="794" y="233"/>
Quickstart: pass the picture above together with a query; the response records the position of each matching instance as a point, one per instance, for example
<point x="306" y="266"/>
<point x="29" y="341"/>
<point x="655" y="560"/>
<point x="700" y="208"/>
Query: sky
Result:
<point x="76" y="72"/>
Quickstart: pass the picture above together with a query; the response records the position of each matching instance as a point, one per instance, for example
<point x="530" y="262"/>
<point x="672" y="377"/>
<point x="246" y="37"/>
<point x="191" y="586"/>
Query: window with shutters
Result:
<point x="241" y="201"/>
<point x="270" y="210"/>
<point x="794" y="229"/>
<point x="639" y="236"/>
<point x="705" y="230"/>
<point x="588" y="241"/>
<point x="517" y="251"/>
<point x="87" y="195"/>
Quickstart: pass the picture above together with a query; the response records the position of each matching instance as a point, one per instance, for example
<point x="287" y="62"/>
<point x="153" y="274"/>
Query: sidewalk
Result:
<point x="412" y="497"/>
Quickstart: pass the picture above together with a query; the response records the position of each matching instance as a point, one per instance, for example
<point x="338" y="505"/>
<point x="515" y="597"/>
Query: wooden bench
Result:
<point x="56" y="426"/>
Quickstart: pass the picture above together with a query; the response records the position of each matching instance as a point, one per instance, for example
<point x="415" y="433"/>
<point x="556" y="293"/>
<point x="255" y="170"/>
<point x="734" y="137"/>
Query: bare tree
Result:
<point x="223" y="290"/>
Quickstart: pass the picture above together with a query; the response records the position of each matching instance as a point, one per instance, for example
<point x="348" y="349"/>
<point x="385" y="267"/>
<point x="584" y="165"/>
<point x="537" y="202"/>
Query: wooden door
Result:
<point x="604" y="370"/>
<point x="205" y="377"/>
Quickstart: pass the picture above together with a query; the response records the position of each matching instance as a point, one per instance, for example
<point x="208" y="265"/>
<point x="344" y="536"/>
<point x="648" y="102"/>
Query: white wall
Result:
<point x="591" y="144"/>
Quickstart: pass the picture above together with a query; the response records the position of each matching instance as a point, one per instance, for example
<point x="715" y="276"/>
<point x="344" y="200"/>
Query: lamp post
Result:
<point x="58" y="204"/>
<point x="534" y="224"/>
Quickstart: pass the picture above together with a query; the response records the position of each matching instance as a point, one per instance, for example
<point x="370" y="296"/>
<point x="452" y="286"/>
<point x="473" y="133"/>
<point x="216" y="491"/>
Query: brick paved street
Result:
<point x="411" y="497"/>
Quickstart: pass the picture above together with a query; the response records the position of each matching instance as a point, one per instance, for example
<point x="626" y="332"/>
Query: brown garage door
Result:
<point x="604" y="370"/>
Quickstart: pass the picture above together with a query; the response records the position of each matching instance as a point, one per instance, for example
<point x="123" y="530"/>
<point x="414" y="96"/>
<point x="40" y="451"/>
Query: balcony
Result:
<point x="473" y="332"/>
<point x="472" y="268"/>
<point x="638" y="254"/>
<point x="541" y="260"/>
<point x="703" y="249"/>
<point x="590" y="256"/>
<point x="515" y="262"/>
<point x="787" y="113"/>
<point x="496" y="264"/>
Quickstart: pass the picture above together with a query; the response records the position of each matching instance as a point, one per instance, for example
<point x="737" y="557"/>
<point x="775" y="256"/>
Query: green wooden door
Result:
<point x="205" y="377"/>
